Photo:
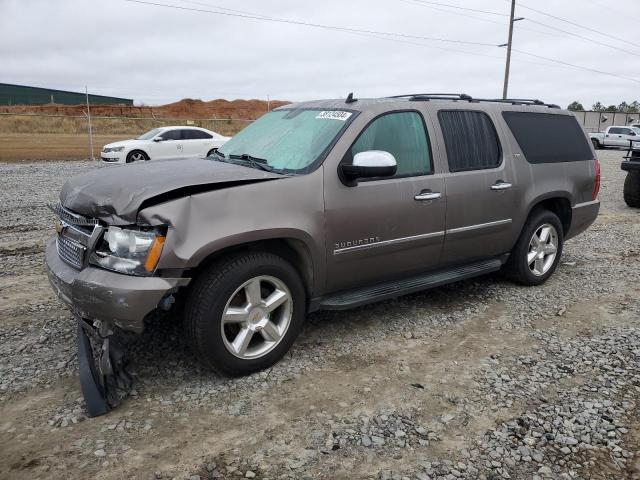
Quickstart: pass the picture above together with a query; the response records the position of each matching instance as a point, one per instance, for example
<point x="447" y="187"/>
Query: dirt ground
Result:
<point x="21" y="147"/>
<point x="481" y="379"/>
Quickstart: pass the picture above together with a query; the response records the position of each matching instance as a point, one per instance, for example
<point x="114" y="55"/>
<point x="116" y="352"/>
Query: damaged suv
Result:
<point x="318" y="205"/>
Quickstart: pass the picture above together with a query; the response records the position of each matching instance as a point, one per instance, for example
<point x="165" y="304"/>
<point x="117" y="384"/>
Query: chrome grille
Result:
<point x="71" y="217"/>
<point x="71" y="251"/>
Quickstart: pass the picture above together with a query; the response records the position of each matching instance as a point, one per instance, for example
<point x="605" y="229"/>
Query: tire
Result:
<point x="596" y="144"/>
<point x="137" y="156"/>
<point x="223" y="288"/>
<point x="518" y="267"/>
<point x="211" y="152"/>
<point x="632" y="189"/>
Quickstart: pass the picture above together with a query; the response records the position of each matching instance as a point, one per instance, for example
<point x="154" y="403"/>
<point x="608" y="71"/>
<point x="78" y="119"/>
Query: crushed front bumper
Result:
<point x="97" y="294"/>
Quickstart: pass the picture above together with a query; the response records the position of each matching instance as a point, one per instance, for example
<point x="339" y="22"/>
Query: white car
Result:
<point x="163" y="143"/>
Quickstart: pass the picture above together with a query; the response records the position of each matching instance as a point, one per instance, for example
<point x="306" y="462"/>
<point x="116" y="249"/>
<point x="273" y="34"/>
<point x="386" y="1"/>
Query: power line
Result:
<point x="314" y="25"/>
<point x="586" y="39"/>
<point x="521" y="5"/>
<point x="576" y="66"/>
<point x="495" y="22"/>
<point x="426" y="2"/>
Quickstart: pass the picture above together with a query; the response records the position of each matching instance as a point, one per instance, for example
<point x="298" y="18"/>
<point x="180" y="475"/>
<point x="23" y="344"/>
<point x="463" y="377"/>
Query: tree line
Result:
<point x="624" y="107"/>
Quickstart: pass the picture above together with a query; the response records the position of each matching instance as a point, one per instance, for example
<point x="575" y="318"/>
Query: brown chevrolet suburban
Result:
<point x="317" y="205"/>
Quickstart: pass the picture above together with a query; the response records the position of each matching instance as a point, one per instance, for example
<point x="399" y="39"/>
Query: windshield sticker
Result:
<point x="334" y="115"/>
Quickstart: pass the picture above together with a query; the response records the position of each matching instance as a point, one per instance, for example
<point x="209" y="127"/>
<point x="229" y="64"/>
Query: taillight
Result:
<point x="596" y="186"/>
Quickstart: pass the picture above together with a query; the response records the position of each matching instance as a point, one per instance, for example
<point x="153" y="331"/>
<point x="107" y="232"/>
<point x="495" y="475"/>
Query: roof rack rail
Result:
<point x="522" y="101"/>
<point x="469" y="98"/>
<point x="435" y="96"/>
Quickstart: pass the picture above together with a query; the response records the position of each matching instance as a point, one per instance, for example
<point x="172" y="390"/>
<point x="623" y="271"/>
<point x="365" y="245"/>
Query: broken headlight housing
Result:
<point x="134" y="252"/>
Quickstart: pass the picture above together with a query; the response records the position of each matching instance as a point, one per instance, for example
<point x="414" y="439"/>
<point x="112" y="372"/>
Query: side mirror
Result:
<point x="158" y="139"/>
<point x="369" y="164"/>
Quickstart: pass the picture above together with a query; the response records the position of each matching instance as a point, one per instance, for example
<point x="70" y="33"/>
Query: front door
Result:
<point x="480" y="188"/>
<point x="169" y="147"/>
<point x="389" y="227"/>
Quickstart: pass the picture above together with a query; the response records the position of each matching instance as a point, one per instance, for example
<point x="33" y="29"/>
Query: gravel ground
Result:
<point x="481" y="379"/>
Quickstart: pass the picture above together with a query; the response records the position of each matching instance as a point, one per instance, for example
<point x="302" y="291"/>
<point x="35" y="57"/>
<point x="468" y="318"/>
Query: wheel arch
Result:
<point x="294" y="250"/>
<point x="558" y="203"/>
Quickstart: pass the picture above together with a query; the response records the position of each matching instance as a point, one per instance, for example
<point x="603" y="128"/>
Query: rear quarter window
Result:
<point x="548" y="138"/>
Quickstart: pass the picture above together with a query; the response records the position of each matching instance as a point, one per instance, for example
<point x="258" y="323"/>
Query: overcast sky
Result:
<point x="157" y="55"/>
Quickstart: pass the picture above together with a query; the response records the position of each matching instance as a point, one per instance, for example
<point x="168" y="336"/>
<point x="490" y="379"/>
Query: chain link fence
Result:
<point x="28" y="136"/>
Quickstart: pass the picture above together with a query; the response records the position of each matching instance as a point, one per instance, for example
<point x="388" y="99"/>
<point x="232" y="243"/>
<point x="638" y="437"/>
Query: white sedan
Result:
<point x="164" y="143"/>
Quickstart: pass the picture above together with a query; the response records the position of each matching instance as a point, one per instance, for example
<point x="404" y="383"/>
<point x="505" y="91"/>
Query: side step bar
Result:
<point x="384" y="291"/>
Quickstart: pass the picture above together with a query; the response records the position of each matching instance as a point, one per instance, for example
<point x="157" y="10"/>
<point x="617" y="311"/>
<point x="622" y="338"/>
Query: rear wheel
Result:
<point x="632" y="189"/>
<point x="244" y="313"/>
<point x="137" y="156"/>
<point x="537" y="252"/>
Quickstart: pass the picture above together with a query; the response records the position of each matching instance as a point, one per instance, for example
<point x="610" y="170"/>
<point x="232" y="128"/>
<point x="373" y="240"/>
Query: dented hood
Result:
<point x="115" y="194"/>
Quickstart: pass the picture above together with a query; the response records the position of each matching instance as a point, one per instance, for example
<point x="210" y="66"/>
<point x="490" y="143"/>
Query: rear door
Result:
<point x="196" y="143"/>
<point x="387" y="227"/>
<point x="480" y="187"/>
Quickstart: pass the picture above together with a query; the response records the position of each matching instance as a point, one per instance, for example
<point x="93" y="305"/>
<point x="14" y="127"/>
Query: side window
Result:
<point x="171" y="135"/>
<point x="403" y="135"/>
<point x="615" y="130"/>
<point x="193" y="134"/>
<point x="564" y="138"/>
<point x="470" y="139"/>
<point x="626" y="131"/>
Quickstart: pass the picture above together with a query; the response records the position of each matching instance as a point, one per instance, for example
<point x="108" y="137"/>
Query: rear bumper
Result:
<point x="582" y="216"/>
<point x="97" y="294"/>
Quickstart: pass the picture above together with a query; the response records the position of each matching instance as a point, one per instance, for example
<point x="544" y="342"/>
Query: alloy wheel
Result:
<point x="256" y="317"/>
<point x="543" y="248"/>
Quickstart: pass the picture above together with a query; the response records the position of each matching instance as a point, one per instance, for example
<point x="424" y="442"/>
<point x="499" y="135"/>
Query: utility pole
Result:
<point x="505" y="88"/>
<point x="268" y="103"/>
<point x="86" y="91"/>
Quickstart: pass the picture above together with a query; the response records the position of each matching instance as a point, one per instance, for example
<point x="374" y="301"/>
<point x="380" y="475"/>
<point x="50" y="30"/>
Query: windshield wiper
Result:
<point x="256" y="162"/>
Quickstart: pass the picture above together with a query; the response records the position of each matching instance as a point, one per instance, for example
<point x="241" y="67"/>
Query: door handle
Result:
<point x="500" y="185"/>
<point x="427" y="195"/>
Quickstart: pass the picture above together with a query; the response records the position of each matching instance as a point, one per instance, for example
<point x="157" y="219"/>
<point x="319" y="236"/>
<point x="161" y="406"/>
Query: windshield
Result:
<point x="636" y="130"/>
<point x="289" y="140"/>
<point x="150" y="134"/>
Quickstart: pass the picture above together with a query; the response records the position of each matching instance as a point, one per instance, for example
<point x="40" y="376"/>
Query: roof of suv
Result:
<point x="362" y="104"/>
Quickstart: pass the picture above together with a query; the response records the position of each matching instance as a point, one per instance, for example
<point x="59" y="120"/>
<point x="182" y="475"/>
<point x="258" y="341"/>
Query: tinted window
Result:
<point x="470" y="139"/>
<point x="194" y="134"/>
<point x="171" y="135"/>
<point x="626" y="131"/>
<point x="402" y="134"/>
<point x="546" y="138"/>
<point x="615" y="130"/>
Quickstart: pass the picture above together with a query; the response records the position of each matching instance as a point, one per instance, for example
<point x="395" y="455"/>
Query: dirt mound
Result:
<point x="187" y="108"/>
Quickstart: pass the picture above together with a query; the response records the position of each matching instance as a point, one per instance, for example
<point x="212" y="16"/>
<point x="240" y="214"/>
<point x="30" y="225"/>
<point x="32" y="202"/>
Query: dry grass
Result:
<point x="66" y="138"/>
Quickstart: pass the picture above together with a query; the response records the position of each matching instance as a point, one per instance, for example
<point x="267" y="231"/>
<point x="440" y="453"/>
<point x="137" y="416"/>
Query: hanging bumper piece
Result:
<point x="104" y="378"/>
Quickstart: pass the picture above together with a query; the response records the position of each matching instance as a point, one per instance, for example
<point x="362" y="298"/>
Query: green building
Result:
<point x="24" y="95"/>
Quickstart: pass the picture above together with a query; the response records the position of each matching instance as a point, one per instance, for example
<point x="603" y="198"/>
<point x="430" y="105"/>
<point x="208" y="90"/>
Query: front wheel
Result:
<point x="211" y="152"/>
<point x="632" y="189"/>
<point x="537" y="252"/>
<point x="596" y="144"/>
<point x="244" y="313"/>
<point x="137" y="156"/>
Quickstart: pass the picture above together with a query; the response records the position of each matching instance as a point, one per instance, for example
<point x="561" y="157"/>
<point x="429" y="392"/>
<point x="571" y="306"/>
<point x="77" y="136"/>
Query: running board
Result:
<point x="384" y="291"/>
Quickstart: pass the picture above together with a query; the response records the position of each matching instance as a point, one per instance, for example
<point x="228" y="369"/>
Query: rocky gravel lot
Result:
<point x="478" y="380"/>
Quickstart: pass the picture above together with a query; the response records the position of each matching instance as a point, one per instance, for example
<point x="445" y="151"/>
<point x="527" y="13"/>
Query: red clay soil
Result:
<point x="187" y="108"/>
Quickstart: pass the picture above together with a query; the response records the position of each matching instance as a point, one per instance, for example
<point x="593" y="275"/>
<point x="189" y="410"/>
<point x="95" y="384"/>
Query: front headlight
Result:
<point x="134" y="252"/>
<point x="112" y="149"/>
